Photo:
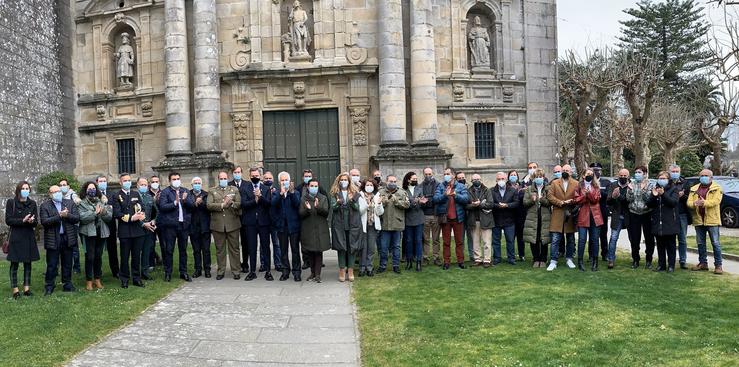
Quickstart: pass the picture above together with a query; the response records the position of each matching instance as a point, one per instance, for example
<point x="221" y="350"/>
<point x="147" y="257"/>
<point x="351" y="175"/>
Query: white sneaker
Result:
<point x="552" y="265"/>
<point x="570" y="264"/>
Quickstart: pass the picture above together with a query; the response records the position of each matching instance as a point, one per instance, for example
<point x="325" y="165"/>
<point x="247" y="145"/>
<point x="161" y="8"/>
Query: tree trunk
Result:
<point x="581" y="150"/>
<point x="716" y="163"/>
<point x="617" y="158"/>
<point x="668" y="157"/>
<point x="640" y="147"/>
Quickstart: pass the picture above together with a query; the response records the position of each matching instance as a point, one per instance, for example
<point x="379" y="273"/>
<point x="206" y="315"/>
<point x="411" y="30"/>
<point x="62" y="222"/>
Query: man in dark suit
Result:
<point x="251" y="200"/>
<point x="241" y="186"/>
<point x="112" y="241"/>
<point x="129" y="213"/>
<point x="604" y="183"/>
<point x="174" y="205"/>
<point x="200" y="229"/>
<point x="59" y="217"/>
<point x="505" y="203"/>
<point x="264" y="223"/>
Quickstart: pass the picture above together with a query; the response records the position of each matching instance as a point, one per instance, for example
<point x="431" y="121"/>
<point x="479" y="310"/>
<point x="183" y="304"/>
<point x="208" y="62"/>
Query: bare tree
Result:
<point x="584" y="89"/>
<point x="613" y="130"/>
<point x="671" y="131"/>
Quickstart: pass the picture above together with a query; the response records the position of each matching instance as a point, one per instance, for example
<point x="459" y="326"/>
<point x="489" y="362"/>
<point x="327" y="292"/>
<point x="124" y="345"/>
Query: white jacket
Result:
<point x="379" y="210"/>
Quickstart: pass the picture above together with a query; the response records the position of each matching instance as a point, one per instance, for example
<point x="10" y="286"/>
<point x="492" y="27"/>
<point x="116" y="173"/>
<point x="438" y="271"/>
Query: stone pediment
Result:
<point x="99" y="7"/>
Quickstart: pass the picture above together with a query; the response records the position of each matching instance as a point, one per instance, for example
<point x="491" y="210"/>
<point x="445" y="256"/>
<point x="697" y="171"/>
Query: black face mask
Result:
<point x="255" y="180"/>
<point x="462" y="181"/>
<point x="623" y="180"/>
<point x="414" y="183"/>
<point x="427" y="179"/>
<point x="565" y="175"/>
<point x="476" y="183"/>
<point x="378" y="179"/>
<point x="589" y="178"/>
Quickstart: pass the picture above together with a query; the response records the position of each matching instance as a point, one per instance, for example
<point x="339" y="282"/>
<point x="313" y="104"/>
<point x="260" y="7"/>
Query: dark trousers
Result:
<point x="172" y="234"/>
<point x="76" y="259"/>
<point x="276" y="252"/>
<point x="158" y="236"/>
<point x="265" y="253"/>
<point x="14" y="274"/>
<point x="666" y="247"/>
<point x="637" y="225"/>
<point x="201" y="251"/>
<point x="289" y="242"/>
<point x="604" y="239"/>
<point x="251" y="246"/>
<point x="316" y="261"/>
<point x="521" y="244"/>
<point x="112" y="247"/>
<point x="131" y="249"/>
<point x="244" y="249"/>
<point x="93" y="256"/>
<point x="62" y="254"/>
<point x="539" y="251"/>
<point x="147" y="252"/>
<point x="413" y="238"/>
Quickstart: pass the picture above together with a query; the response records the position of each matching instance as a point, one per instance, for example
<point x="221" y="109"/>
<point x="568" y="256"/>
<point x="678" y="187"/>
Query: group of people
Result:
<point x="356" y="217"/>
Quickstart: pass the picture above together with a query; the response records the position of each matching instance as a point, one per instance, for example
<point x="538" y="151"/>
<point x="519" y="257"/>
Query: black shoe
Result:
<point x="634" y="264"/>
<point x="408" y="265"/>
<point x="17" y="295"/>
<point x="511" y="262"/>
<point x="185" y="277"/>
<point x="167" y="277"/>
<point x="658" y="269"/>
<point x="278" y="269"/>
<point x="396" y="269"/>
<point x="197" y="274"/>
<point x="296" y="278"/>
<point x="268" y="277"/>
<point x="594" y="265"/>
<point x="28" y="293"/>
<point x="522" y="258"/>
<point x="323" y="265"/>
<point x="218" y="277"/>
<point x="648" y="265"/>
<point x="245" y="270"/>
<point x="305" y="265"/>
<point x="250" y="277"/>
<point x="381" y="270"/>
<point x="68" y="289"/>
<point x="124" y="284"/>
<point x="683" y="266"/>
<point x="138" y="283"/>
<point x="284" y="277"/>
<point x="461" y="265"/>
<point x="47" y="292"/>
<point x="370" y="273"/>
<point x="670" y="270"/>
<point x="362" y="273"/>
<point x="445" y="267"/>
<point x="580" y="265"/>
<point x="418" y="266"/>
<point x="317" y="279"/>
<point x="263" y="268"/>
<point x="207" y="274"/>
<point x="311" y="278"/>
<point x="146" y="277"/>
<point x="604" y="258"/>
<point x="237" y="276"/>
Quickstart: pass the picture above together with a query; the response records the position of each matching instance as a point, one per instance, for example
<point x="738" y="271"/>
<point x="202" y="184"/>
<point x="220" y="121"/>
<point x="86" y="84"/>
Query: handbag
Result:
<point x="6" y="243"/>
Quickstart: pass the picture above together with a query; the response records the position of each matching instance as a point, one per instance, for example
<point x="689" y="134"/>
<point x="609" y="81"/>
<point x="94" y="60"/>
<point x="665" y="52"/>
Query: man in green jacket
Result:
<point x="395" y="203"/>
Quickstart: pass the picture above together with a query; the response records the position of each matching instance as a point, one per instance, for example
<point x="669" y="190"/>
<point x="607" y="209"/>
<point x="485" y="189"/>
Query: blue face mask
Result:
<point x="237" y="176"/>
<point x="638" y="176"/>
<point x="447" y="178"/>
<point x="307" y="179"/>
<point x="25" y="193"/>
<point x="663" y="182"/>
<point x="538" y="181"/>
<point x="222" y="183"/>
<point x="675" y="176"/>
<point x="705" y="180"/>
<point x="557" y="175"/>
<point x="286" y="185"/>
<point x="513" y="179"/>
<point x="143" y="189"/>
<point x="126" y="185"/>
<point x="65" y="189"/>
<point x="197" y="187"/>
<point x="57" y="196"/>
<point x="313" y="190"/>
<point x="103" y="186"/>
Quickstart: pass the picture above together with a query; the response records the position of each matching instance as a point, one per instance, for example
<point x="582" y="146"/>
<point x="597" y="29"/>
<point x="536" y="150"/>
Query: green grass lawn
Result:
<point x="729" y="245"/>
<point x="520" y="316"/>
<point x="48" y="331"/>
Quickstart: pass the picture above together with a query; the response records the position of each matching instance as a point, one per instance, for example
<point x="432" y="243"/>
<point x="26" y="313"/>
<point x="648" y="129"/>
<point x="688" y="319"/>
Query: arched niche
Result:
<point x="286" y="9"/>
<point x="481" y="39"/>
<point x="111" y="44"/>
<point x="123" y="76"/>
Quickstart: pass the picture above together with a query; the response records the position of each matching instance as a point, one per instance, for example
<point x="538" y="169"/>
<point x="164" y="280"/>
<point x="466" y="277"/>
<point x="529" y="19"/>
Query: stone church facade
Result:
<point x="197" y="86"/>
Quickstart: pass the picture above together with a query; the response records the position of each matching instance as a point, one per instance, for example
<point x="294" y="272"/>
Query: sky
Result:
<point x="595" y="23"/>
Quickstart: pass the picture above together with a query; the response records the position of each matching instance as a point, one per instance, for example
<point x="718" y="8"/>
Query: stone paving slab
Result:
<point x="231" y="323"/>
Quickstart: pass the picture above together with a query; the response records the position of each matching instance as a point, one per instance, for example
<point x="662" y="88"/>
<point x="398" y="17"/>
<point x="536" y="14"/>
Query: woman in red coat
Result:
<point x="589" y="220"/>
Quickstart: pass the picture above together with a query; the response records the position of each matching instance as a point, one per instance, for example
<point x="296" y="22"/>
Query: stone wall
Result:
<point x="36" y="97"/>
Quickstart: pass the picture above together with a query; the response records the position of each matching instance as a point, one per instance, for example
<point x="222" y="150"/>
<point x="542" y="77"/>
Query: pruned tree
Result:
<point x="584" y="86"/>
<point x="613" y="130"/>
<point x="672" y="130"/>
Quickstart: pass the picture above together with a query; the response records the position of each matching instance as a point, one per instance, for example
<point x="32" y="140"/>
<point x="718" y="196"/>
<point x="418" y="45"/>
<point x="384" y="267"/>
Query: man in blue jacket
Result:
<point x="175" y="204"/>
<point x="265" y="219"/>
<point x="251" y="200"/>
<point x="287" y="223"/>
<point x="450" y="198"/>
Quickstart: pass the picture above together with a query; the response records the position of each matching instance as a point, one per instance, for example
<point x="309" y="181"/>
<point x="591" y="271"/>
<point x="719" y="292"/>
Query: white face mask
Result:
<point x="176" y="184"/>
<point x="355" y="180"/>
<point x="531" y="171"/>
<point x="501" y="184"/>
<point x="369" y="189"/>
<point x="155" y="185"/>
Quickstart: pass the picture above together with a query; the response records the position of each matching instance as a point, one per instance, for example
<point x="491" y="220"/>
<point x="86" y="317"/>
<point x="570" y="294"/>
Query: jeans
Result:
<point x="682" y="238"/>
<point x="510" y="234"/>
<point x="557" y="238"/>
<point x="276" y="252"/>
<point x="582" y="234"/>
<point x="93" y="256"/>
<point x="389" y="240"/>
<point x="615" y="232"/>
<point x="413" y="235"/>
<point x="700" y="238"/>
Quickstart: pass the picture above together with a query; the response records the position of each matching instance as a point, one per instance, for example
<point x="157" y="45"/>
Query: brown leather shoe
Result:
<point x="700" y="267"/>
<point x="88" y="285"/>
<point x="718" y="270"/>
<point x="342" y="274"/>
<point x="98" y="284"/>
<point x="350" y="274"/>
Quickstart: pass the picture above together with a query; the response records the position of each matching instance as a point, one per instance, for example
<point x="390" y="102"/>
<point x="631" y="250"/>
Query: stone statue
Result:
<point x="298" y="30"/>
<point x="479" y="44"/>
<point x="124" y="61"/>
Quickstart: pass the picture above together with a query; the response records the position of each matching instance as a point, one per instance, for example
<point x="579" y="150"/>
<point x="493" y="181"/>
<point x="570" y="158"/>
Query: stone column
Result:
<point x="177" y="93"/>
<point x="206" y="79"/>
<point x="423" y="75"/>
<point x="391" y="73"/>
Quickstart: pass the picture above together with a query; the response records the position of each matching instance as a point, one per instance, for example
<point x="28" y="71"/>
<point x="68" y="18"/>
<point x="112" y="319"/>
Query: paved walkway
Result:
<point x="231" y="323"/>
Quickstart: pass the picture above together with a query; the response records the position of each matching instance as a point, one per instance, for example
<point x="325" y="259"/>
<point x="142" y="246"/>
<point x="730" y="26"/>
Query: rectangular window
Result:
<point x="484" y="140"/>
<point x="126" y="156"/>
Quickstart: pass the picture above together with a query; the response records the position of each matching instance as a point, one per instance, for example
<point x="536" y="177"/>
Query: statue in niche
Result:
<point x="479" y="39"/>
<point x="124" y="62"/>
<point x="299" y="34"/>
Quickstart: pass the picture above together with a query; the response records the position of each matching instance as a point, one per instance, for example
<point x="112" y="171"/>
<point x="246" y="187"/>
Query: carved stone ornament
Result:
<point x="355" y="55"/>
<point x="119" y="17"/>
<point x="508" y="94"/>
<point x="479" y="42"/>
<point x="359" y="124"/>
<point x="125" y="60"/>
<point x="458" y="92"/>
<point x="299" y="92"/>
<point x="242" y="58"/>
<point x="147" y="109"/>
<point x="101" y="112"/>
<point x="242" y="125"/>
